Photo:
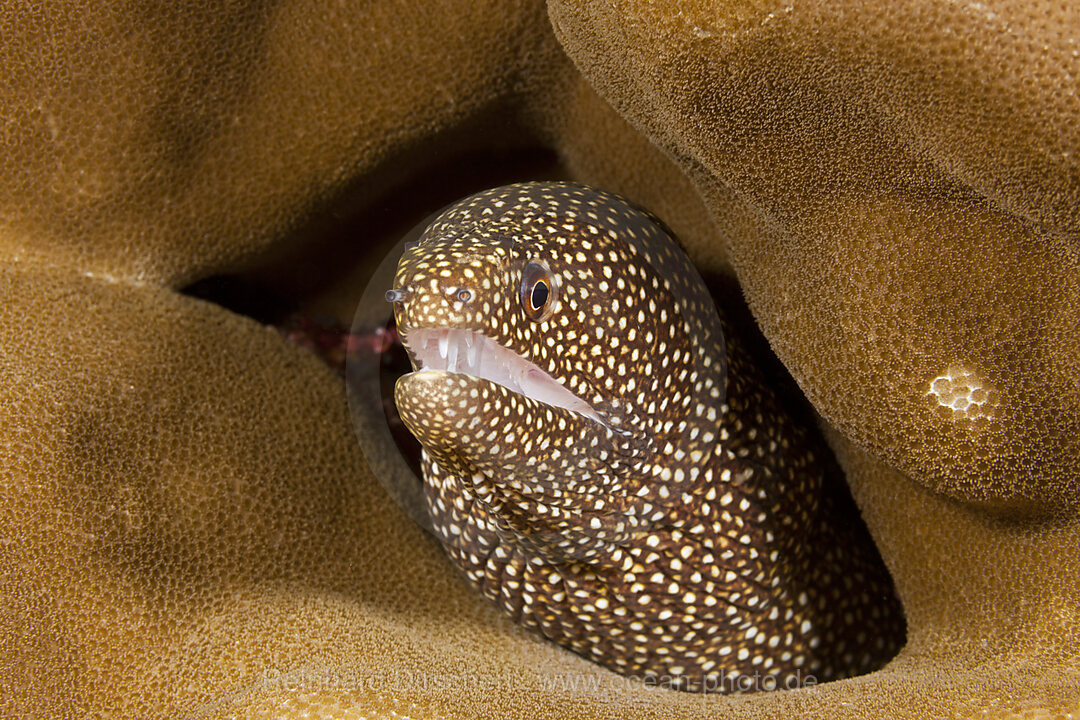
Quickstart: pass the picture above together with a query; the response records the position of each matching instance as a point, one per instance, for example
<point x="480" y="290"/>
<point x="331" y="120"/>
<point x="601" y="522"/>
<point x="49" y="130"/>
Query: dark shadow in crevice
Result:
<point x="321" y="269"/>
<point x="309" y="285"/>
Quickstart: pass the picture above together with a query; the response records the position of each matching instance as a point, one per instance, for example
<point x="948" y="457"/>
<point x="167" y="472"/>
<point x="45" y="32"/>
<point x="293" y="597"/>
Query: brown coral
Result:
<point x="189" y="526"/>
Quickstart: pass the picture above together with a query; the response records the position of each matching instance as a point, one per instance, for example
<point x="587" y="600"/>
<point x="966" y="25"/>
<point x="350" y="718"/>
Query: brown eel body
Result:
<point x="605" y="467"/>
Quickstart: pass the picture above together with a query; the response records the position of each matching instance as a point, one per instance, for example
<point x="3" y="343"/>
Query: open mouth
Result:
<point x="470" y="353"/>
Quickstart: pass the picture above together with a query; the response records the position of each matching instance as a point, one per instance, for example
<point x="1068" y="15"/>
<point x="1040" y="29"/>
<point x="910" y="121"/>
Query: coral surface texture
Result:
<point x="188" y="525"/>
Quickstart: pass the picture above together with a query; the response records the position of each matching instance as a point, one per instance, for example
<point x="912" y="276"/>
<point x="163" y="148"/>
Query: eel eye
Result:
<point x="537" y="291"/>
<point x="464" y="295"/>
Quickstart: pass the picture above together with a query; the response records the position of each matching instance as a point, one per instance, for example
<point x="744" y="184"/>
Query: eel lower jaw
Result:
<point x="465" y="352"/>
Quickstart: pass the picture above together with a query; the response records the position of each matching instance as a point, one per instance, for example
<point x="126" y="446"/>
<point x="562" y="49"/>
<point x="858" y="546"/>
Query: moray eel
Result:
<point x="601" y="464"/>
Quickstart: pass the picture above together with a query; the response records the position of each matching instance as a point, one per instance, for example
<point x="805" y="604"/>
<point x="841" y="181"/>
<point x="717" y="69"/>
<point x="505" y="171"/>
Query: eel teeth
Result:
<point x="451" y="357"/>
<point x="470" y="353"/>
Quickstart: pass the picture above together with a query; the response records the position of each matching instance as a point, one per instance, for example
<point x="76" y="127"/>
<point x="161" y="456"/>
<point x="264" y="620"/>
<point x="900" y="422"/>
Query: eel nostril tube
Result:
<point x="395" y="296"/>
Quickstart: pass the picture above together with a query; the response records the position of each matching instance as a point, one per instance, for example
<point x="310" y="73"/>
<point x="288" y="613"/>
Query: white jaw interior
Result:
<point x="470" y="353"/>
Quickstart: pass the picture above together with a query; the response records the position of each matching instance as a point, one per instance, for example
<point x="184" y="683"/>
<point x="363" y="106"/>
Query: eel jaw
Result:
<point x="455" y="350"/>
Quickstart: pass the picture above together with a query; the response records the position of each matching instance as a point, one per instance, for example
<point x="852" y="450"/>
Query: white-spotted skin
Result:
<point x="684" y="537"/>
